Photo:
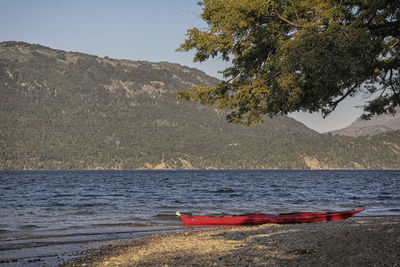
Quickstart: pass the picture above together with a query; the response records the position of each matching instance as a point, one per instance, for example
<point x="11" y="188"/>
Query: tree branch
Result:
<point x="334" y="104"/>
<point x="297" y="25"/>
<point x="395" y="44"/>
<point x="383" y="91"/>
<point x="386" y="29"/>
<point x="288" y="21"/>
<point x="391" y="81"/>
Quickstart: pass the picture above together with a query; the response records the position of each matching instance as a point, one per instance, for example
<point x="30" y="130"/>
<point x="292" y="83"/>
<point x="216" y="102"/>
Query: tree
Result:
<point x="298" y="55"/>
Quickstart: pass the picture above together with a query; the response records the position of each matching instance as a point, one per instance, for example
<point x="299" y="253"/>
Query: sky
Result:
<point x="148" y="30"/>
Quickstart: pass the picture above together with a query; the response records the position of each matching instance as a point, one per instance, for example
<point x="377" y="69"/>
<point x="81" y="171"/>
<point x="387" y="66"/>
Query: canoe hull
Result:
<point x="258" y="218"/>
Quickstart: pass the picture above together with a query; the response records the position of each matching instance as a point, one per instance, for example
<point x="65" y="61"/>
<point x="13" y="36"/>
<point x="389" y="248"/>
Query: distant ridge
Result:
<point x="69" y="110"/>
<point x="377" y="125"/>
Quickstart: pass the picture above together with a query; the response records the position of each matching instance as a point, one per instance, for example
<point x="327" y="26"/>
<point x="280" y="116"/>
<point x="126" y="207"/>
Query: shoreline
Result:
<point x="209" y="169"/>
<point x="360" y="241"/>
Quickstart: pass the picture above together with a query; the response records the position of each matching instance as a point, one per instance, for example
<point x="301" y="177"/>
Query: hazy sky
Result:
<point x="147" y="30"/>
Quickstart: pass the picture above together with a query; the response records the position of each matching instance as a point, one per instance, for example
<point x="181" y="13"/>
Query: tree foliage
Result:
<point x="294" y="55"/>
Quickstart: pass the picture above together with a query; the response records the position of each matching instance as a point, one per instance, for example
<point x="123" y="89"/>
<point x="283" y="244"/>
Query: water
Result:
<point x="50" y="215"/>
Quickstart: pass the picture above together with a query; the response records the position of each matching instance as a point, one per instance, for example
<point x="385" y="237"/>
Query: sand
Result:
<point x="368" y="241"/>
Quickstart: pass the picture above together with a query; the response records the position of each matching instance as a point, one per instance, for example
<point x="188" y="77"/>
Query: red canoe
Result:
<point x="258" y="218"/>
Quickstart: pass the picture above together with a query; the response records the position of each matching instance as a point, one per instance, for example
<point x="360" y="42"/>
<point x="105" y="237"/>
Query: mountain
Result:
<point x="376" y="125"/>
<point x="68" y="110"/>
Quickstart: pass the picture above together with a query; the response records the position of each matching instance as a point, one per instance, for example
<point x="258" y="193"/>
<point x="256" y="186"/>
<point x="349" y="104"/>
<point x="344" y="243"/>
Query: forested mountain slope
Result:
<point x="68" y="110"/>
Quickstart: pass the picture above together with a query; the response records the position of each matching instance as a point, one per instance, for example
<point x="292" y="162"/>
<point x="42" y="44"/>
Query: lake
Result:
<point x="49" y="216"/>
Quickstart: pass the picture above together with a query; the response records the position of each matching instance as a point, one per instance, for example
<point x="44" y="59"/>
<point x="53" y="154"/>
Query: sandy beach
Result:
<point x="368" y="241"/>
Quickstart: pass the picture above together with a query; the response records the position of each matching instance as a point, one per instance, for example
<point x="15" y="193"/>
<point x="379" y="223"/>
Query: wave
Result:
<point x="84" y="212"/>
<point x="117" y="195"/>
<point x="133" y="224"/>
<point x="64" y="195"/>
<point x="201" y="191"/>
<point x="29" y="226"/>
<point x="170" y="206"/>
<point x="18" y="242"/>
<point x="385" y="197"/>
<point x="57" y="204"/>
<point x="166" y="216"/>
<point x="91" y="195"/>
<point x="88" y="205"/>
<point x="224" y="190"/>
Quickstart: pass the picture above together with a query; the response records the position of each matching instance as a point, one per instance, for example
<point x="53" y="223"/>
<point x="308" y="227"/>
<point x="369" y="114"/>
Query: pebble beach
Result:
<point x="363" y="241"/>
